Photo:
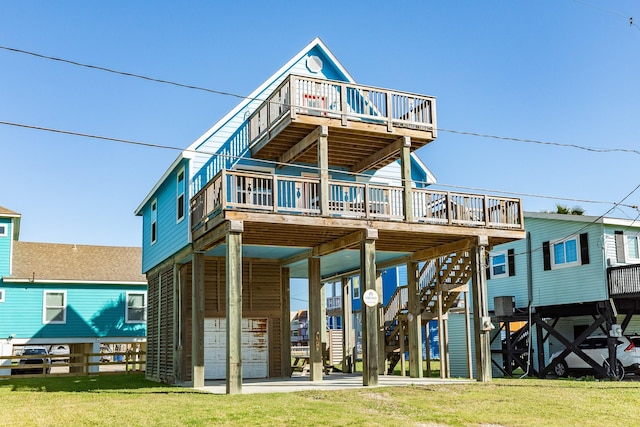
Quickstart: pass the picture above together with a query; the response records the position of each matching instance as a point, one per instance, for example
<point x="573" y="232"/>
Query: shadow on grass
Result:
<point x="126" y="384"/>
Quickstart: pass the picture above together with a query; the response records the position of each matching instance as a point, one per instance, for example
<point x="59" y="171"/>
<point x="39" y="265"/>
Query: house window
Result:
<point x="633" y="247"/>
<point x="136" y="307"/>
<point x="565" y="253"/>
<point x="3" y="230"/>
<point x="1" y="295"/>
<point x="154" y="221"/>
<point x="498" y="265"/>
<point x="356" y="286"/>
<point x="180" y="209"/>
<point x="55" y="307"/>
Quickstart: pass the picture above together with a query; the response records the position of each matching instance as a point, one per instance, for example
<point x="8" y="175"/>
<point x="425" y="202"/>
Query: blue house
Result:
<point x="572" y="277"/>
<point x="290" y="185"/>
<point x="62" y="294"/>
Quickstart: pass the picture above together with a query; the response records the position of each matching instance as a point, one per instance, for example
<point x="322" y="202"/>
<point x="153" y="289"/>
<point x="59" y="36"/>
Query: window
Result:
<point x="180" y="200"/>
<point x="356" y="286"/>
<point x="633" y="247"/>
<point x="566" y="252"/>
<point x="1" y="295"/>
<point x="499" y="265"/>
<point x="502" y="264"/>
<point x="3" y="230"/>
<point x="154" y="221"/>
<point x="136" y="307"/>
<point x="55" y="307"/>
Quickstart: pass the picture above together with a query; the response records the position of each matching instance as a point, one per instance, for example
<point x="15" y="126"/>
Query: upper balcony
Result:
<point x="361" y="120"/>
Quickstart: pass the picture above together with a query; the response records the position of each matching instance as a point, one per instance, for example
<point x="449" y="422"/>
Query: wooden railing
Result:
<point x="624" y="280"/>
<point x="299" y="95"/>
<point x="298" y="195"/>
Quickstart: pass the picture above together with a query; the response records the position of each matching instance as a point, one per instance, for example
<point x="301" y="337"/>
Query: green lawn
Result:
<point x="130" y="400"/>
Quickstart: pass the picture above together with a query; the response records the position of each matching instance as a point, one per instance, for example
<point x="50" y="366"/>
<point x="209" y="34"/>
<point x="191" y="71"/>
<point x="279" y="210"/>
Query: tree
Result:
<point x="576" y="210"/>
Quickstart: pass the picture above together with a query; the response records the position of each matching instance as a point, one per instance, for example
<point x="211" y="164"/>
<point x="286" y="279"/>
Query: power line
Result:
<point x="630" y="18"/>
<point x="275" y="163"/>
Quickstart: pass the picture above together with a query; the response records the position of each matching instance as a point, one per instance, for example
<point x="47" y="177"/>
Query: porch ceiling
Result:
<point x="348" y="145"/>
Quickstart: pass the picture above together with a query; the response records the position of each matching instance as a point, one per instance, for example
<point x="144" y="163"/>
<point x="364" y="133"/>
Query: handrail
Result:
<point x="231" y="189"/>
<point x="624" y="279"/>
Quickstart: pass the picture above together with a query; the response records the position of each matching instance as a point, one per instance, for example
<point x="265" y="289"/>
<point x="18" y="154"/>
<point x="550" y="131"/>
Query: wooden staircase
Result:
<point x="450" y="274"/>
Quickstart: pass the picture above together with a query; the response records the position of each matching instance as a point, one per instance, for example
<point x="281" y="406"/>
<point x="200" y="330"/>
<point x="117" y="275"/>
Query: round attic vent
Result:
<point x="314" y="64"/>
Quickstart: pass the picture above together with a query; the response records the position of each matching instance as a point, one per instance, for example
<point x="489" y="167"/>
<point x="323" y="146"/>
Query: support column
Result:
<point x="382" y="347"/>
<point x="315" y="320"/>
<point x="323" y="166"/>
<point x="445" y="346"/>
<point x="178" y="333"/>
<point x="467" y="326"/>
<point x="234" y="307"/>
<point x="285" y="323"/>
<point x="405" y="161"/>
<point x="441" y="336"/>
<point x="348" y="341"/>
<point x="369" y="313"/>
<point x="481" y="319"/>
<point x="197" y="319"/>
<point x="414" y="322"/>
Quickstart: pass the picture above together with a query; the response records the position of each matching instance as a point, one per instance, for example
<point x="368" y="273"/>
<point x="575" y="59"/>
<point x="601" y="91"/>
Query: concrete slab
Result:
<point x="335" y="381"/>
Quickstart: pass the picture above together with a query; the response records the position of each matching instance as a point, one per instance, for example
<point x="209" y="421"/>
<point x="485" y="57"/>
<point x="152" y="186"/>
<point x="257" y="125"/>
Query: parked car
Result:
<point x="627" y="354"/>
<point x="32" y="352"/>
<point x="59" y="353"/>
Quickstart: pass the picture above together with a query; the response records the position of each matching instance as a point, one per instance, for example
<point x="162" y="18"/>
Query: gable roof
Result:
<point x="6" y="212"/>
<point x="78" y="263"/>
<point x="316" y="43"/>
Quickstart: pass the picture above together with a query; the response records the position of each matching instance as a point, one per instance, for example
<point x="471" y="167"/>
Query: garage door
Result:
<point x="254" y="348"/>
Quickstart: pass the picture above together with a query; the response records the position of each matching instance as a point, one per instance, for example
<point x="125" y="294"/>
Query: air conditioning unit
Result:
<point x="504" y="306"/>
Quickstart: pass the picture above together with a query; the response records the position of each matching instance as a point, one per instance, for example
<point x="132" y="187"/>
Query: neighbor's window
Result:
<point x="154" y="221"/>
<point x="55" y="307"/>
<point x="498" y="265"/>
<point x="180" y="200"/>
<point x="3" y="230"/>
<point x="565" y="253"/>
<point x="632" y="247"/>
<point x="136" y="307"/>
<point x="356" y="286"/>
<point x="1" y="295"/>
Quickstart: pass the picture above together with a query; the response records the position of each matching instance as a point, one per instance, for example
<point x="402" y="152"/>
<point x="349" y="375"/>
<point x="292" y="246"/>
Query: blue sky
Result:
<point x="551" y="70"/>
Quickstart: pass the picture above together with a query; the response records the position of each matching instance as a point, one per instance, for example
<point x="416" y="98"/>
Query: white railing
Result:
<point x="299" y="95"/>
<point x="301" y="195"/>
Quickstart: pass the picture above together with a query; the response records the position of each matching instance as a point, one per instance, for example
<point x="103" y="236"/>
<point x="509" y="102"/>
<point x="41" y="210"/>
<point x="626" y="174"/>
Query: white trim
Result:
<point x="2" y="294"/>
<point x="252" y="168"/>
<point x="4" y="233"/>
<point x="72" y="282"/>
<point x="153" y="233"/>
<point x="44" y="307"/>
<point x="431" y="178"/>
<point x="126" y="306"/>
<point x="627" y="240"/>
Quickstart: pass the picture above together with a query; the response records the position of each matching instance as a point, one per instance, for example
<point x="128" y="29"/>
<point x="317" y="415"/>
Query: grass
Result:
<point x="133" y="401"/>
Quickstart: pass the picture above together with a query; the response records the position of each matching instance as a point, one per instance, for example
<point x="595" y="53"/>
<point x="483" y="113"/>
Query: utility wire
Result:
<point x="630" y="18"/>
<point x="309" y="167"/>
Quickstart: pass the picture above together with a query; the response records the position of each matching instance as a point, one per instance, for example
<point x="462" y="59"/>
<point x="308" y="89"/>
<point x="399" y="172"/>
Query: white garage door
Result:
<point x="255" y="349"/>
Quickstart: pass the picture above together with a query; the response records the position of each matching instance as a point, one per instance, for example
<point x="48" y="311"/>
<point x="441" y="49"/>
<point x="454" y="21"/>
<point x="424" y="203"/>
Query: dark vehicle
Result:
<point x="30" y="358"/>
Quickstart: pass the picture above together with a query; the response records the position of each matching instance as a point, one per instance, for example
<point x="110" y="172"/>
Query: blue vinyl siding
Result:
<point x="171" y="236"/>
<point x="5" y="247"/>
<point x="92" y="311"/>
<point x="580" y="283"/>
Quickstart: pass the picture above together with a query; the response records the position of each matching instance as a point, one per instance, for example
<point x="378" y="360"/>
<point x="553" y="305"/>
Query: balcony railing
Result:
<point x="624" y="280"/>
<point x="298" y="195"/>
<point x="299" y="95"/>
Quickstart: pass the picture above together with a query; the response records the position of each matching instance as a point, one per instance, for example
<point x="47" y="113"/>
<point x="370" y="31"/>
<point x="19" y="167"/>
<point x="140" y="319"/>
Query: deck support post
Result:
<point x="323" y="169"/>
<point x="315" y="320"/>
<point x="481" y="319"/>
<point x="197" y="320"/>
<point x="405" y="162"/>
<point x="414" y="323"/>
<point x="467" y="328"/>
<point x="441" y="336"/>
<point x="234" y="307"/>
<point x="285" y="323"/>
<point x="369" y="313"/>
<point x="382" y="348"/>
<point x="348" y="359"/>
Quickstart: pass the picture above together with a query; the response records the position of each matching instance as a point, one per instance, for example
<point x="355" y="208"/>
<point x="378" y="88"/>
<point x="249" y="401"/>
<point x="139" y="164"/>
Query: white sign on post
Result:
<point x="370" y="298"/>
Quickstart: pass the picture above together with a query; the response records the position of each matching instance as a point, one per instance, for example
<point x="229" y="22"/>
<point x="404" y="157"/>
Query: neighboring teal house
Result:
<point x="76" y="295"/>
<point x="573" y="276"/>
<point x="311" y="177"/>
